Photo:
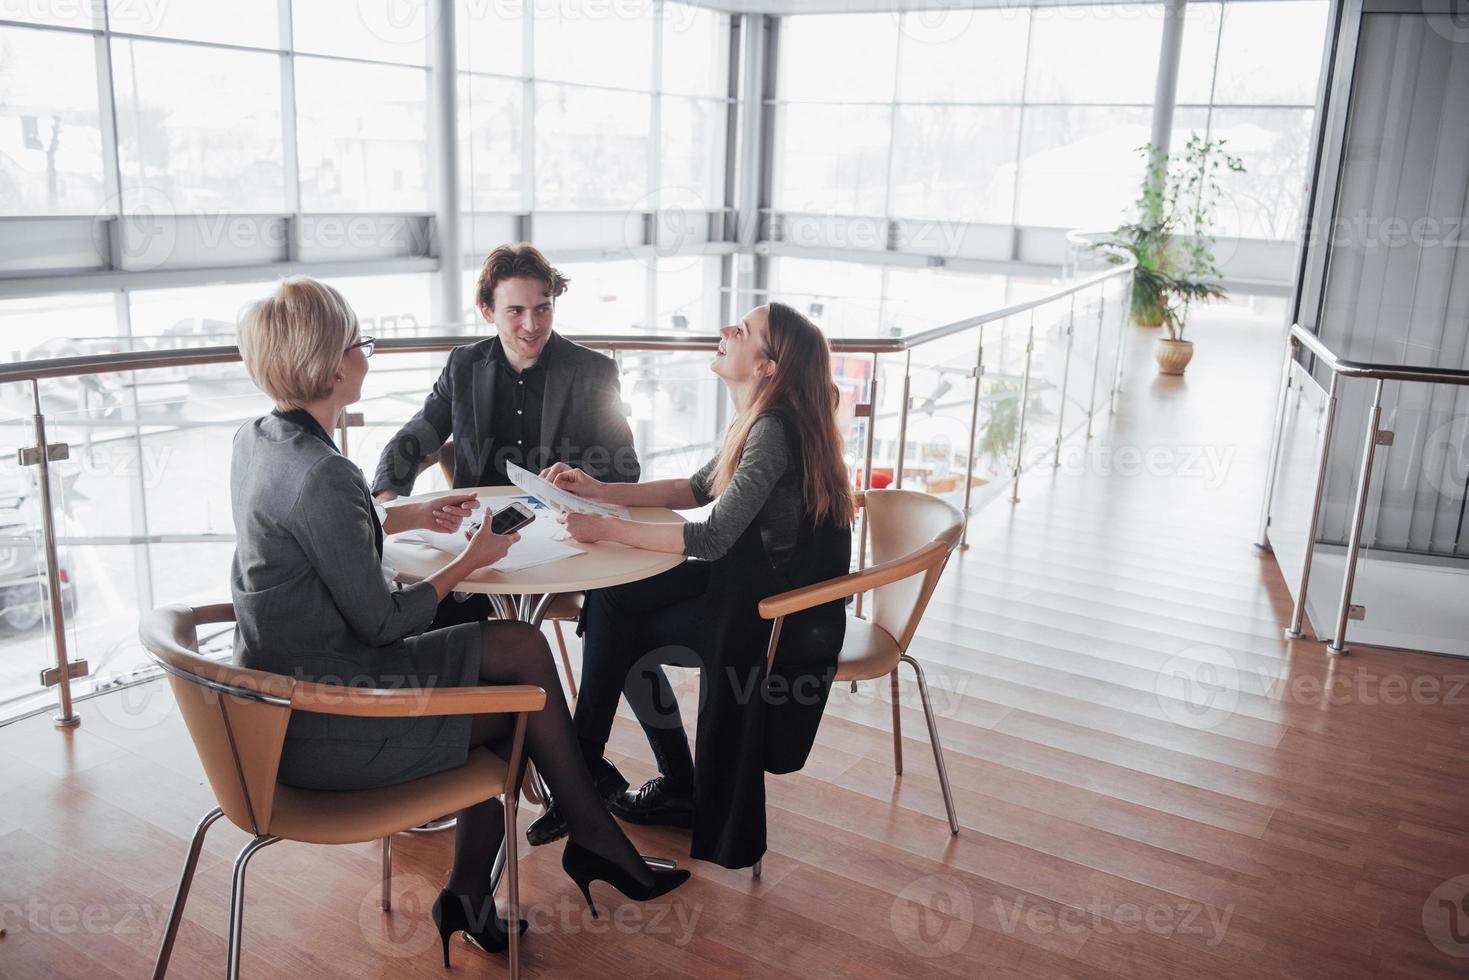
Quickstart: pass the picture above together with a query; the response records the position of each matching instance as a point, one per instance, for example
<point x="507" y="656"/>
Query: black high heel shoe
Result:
<point x="451" y="914"/>
<point x="584" y="867"/>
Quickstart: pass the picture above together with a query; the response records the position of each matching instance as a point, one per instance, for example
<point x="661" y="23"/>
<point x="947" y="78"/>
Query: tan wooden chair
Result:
<point x="912" y="535"/>
<point x="237" y="719"/>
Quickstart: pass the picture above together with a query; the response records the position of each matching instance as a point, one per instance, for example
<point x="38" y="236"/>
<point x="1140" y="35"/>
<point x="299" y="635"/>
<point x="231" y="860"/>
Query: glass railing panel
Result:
<point x="1295" y="483"/>
<point x="676" y="407"/>
<point x="1048" y="368"/>
<point x="941" y="401"/>
<point x="25" y="638"/>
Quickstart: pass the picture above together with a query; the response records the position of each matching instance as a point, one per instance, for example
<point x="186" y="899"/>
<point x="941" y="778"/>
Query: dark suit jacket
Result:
<point x="582" y="423"/>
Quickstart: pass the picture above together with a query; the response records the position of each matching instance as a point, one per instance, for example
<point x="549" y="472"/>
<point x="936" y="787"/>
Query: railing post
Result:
<point x="1065" y="377"/>
<point x="867" y="475"/>
<point x="1375" y="438"/>
<point x="903" y="419"/>
<point x="1024" y="401"/>
<point x="973" y="432"/>
<point x="65" y="716"/>
<point x="1262" y="541"/>
<point x="1121" y="343"/>
<point x="1298" y="613"/>
<point x="1091" y="402"/>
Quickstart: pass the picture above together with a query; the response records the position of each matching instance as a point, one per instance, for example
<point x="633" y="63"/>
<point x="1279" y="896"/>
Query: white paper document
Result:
<point x="548" y="492"/>
<point x="539" y="542"/>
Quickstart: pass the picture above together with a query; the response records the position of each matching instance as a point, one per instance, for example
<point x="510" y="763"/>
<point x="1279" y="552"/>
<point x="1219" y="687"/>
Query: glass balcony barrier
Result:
<point x="141" y="514"/>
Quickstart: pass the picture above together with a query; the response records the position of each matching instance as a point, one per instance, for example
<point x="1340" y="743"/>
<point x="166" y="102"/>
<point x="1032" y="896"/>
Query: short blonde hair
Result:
<point x="293" y="340"/>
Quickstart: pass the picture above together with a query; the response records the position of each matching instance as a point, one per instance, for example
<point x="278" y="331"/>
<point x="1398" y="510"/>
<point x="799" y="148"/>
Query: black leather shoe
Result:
<point x="653" y="804"/>
<point x="552" y="826"/>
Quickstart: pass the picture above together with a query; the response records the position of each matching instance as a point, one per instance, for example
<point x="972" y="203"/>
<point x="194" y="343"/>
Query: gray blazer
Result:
<point x="582" y="419"/>
<point x="311" y="601"/>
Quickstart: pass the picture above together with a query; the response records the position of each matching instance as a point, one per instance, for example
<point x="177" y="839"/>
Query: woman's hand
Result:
<point x="485" y="546"/>
<point x="573" y="480"/>
<point x="587" y="528"/>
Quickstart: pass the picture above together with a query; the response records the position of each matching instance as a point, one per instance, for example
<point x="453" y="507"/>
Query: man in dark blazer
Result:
<point x="526" y="395"/>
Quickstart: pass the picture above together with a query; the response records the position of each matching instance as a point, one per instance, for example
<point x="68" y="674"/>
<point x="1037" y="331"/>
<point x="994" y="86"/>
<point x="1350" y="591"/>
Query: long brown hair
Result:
<point x="802" y="385"/>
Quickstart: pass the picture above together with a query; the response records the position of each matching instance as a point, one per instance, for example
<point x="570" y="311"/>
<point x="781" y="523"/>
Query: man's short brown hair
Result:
<point x="517" y="262"/>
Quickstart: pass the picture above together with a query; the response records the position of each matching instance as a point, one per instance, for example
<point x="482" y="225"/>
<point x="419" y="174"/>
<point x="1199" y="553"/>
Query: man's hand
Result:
<point x="445" y="514"/>
<point x="442" y="514"/>
<point x="573" y="480"/>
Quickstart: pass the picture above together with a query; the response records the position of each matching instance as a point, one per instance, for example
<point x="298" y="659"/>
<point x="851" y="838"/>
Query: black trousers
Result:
<point x="629" y="632"/>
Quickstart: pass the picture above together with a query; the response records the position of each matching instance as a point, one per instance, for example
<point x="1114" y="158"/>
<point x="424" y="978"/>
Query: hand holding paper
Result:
<point x="548" y="492"/>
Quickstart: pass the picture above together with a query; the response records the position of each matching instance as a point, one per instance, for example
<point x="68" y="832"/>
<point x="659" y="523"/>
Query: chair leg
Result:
<point x="755" y="871"/>
<point x="388" y="873"/>
<point x="565" y="657"/>
<point x="237" y="904"/>
<point x="512" y="872"/>
<point x="170" y="933"/>
<point x="497" y="872"/>
<point x="933" y="738"/>
<point x="897" y="727"/>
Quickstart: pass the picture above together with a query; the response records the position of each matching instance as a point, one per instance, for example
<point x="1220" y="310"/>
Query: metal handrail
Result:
<point x="35" y="371"/>
<point x="1378" y="371"/>
<point x="1297" y="338"/>
<point x="69" y="367"/>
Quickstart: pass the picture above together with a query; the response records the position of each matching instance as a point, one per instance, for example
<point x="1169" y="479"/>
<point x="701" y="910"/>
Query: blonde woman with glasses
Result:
<point x="313" y="600"/>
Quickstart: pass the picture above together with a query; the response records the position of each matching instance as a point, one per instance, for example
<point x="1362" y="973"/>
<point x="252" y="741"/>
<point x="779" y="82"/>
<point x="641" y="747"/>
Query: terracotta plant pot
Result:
<point x="1173" y="355"/>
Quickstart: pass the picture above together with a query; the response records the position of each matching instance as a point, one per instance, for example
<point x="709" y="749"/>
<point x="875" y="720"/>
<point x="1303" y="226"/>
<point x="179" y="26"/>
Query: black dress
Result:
<point x="704" y="614"/>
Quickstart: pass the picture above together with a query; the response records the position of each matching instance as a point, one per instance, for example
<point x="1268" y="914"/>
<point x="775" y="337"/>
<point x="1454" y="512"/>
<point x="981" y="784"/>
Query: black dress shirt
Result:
<point x="515" y="427"/>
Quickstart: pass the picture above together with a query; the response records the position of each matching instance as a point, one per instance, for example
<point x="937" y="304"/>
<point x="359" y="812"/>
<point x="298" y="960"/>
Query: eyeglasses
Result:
<point x="366" y="343"/>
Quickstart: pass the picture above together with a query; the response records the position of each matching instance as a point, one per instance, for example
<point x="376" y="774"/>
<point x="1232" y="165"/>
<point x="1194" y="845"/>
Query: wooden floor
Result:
<point x="1151" y="782"/>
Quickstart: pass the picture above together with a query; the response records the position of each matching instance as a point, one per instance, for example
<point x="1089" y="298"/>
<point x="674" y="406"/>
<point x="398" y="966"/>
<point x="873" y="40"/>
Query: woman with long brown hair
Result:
<point x="781" y="519"/>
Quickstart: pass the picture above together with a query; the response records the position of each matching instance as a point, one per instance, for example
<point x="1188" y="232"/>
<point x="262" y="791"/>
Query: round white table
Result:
<point x="529" y="591"/>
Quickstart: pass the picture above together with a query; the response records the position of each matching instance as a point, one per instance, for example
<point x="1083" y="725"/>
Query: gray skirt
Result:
<point x="332" y="752"/>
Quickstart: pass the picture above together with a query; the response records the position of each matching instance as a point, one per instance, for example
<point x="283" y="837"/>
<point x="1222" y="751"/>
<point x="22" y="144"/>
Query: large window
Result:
<point x="51" y="157"/>
<point x="363" y="135"/>
<point x="1034" y="117"/>
<point x="198" y="129"/>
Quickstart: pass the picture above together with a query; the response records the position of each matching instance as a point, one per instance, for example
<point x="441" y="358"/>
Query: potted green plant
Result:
<point x="1172" y="241"/>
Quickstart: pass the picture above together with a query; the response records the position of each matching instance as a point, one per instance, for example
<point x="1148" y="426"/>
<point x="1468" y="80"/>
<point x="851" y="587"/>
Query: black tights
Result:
<point x="516" y="653"/>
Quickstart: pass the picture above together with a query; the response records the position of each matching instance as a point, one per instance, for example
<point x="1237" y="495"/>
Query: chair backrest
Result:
<point x="901" y="522"/>
<point x="237" y="717"/>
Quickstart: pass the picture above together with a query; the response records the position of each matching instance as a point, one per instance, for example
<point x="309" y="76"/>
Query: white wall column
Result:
<point x="1165" y="93"/>
<point x="443" y="85"/>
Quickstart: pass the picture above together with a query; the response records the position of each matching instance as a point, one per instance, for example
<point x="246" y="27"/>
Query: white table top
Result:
<point x="604" y="564"/>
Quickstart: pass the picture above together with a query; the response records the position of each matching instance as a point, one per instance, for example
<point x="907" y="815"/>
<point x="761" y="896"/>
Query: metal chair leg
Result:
<point x="170" y="933"/>
<point x="565" y="657"/>
<point x="237" y="904"/>
<point x="897" y="727"/>
<point x="508" y="848"/>
<point x="388" y="873"/>
<point x="933" y="738"/>
<point x="498" y="870"/>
